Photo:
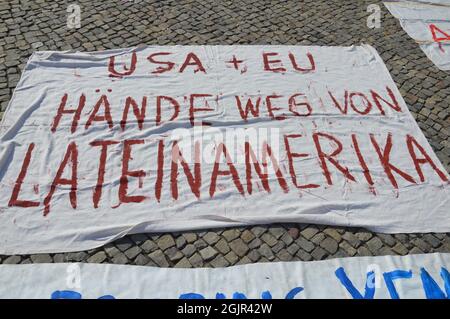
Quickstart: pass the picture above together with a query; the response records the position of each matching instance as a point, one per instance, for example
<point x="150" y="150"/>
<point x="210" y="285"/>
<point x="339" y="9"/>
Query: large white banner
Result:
<point x="429" y="25"/>
<point x="98" y="145"/>
<point x="414" y="276"/>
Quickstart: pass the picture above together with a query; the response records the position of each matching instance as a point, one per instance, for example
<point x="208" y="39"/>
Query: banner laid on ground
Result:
<point x="98" y="145"/>
<point x="427" y="22"/>
<point x="413" y="276"/>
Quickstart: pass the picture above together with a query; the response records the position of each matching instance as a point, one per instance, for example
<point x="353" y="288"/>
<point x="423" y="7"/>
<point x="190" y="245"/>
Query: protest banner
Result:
<point x="97" y="145"/>
<point x="412" y="276"/>
<point x="428" y="23"/>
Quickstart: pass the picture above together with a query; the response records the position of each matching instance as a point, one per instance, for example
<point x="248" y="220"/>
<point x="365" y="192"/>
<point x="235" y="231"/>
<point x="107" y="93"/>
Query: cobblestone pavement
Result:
<point x="26" y="26"/>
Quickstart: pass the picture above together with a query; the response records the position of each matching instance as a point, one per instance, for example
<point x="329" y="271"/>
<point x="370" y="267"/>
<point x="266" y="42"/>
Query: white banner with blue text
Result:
<point x="412" y="276"/>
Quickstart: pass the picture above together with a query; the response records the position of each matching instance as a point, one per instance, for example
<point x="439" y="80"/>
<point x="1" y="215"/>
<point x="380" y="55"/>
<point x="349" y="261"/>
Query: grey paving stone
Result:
<point x="222" y="246"/>
<point x="232" y="257"/>
<point x="292" y="249"/>
<point x="363" y="235"/>
<point x="123" y="243"/>
<point x="138" y="239"/>
<point x="400" y="249"/>
<point x="387" y="239"/>
<point x="363" y="251"/>
<point x="189" y="250"/>
<point x="277" y="232"/>
<point x="258" y="230"/>
<point x="183" y="263"/>
<point x="287" y="239"/>
<point x="59" y="258"/>
<point x="284" y="255"/>
<point x="230" y="234"/>
<point x="247" y="236"/>
<point x="165" y="241"/>
<point x="339" y="254"/>
<point x="208" y="253"/>
<point x="255" y="243"/>
<point x="333" y="233"/>
<point x="384" y="251"/>
<point x="351" y="239"/>
<point x="148" y="246"/>
<point x="440" y="236"/>
<point x="421" y="244"/>
<point x="132" y="252"/>
<point x="442" y="249"/>
<point x="348" y="248"/>
<point x="304" y="244"/>
<point x="77" y="256"/>
<point x="415" y="250"/>
<point x="294" y="232"/>
<point x="244" y="260"/>
<point x="318" y="253"/>
<point x="120" y="259"/>
<point x="329" y="244"/>
<point x="278" y="246"/>
<point x="211" y="238"/>
<point x="141" y="260"/>
<point x="173" y="254"/>
<point x="12" y="260"/>
<point x="196" y="260"/>
<point x="374" y="244"/>
<point x="239" y="247"/>
<point x="110" y="250"/>
<point x="97" y="258"/>
<point x="158" y="258"/>
<point x="200" y="244"/>
<point x="269" y="239"/>
<point x="318" y="238"/>
<point x="219" y="261"/>
<point x="254" y="255"/>
<point x="190" y="237"/>
<point x="265" y="251"/>
<point x="181" y="242"/>
<point x="432" y="240"/>
<point x="403" y="238"/>
<point x="309" y="232"/>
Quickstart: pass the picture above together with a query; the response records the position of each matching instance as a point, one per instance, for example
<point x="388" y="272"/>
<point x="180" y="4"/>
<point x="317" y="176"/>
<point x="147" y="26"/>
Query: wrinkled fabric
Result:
<point x="344" y="148"/>
<point x="383" y="277"/>
<point x="428" y="23"/>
